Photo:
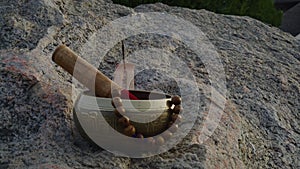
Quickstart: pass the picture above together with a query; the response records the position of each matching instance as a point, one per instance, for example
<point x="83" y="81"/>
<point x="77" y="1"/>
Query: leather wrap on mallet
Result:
<point x="84" y="72"/>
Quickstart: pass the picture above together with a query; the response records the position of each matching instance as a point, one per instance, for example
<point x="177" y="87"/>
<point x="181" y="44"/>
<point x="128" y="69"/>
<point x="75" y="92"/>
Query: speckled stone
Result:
<point x="259" y="127"/>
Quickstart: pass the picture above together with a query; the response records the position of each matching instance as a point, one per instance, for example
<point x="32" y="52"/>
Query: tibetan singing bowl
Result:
<point x="149" y="115"/>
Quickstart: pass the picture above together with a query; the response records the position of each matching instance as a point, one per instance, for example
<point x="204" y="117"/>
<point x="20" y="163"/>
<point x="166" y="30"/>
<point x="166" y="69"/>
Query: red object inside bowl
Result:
<point x="125" y="94"/>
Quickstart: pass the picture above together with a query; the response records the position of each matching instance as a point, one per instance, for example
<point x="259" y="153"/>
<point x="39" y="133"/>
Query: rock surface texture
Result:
<point x="260" y="127"/>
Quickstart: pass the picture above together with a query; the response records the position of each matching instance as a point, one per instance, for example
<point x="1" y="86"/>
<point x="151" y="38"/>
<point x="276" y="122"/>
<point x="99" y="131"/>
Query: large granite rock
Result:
<point x="298" y="38"/>
<point x="260" y="127"/>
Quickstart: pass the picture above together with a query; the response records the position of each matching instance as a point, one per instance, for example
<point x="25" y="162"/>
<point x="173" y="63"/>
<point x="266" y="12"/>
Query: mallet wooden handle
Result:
<point x="84" y="72"/>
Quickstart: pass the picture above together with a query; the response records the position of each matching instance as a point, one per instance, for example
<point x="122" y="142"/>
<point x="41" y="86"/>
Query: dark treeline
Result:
<point x="263" y="10"/>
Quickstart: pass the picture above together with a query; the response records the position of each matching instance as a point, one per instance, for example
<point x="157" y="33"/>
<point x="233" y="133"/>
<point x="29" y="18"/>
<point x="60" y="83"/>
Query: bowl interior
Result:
<point x="142" y="95"/>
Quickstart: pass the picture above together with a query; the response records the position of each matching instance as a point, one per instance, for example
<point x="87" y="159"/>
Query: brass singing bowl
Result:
<point x="151" y="105"/>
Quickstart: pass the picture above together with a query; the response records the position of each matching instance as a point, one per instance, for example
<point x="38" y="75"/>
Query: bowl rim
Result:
<point x="87" y="102"/>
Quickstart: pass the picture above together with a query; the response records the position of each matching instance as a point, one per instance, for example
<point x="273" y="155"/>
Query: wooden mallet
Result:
<point x="86" y="73"/>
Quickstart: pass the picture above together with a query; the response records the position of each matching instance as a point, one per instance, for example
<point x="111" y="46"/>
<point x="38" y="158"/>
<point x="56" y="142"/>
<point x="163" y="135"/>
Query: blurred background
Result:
<point x="284" y="14"/>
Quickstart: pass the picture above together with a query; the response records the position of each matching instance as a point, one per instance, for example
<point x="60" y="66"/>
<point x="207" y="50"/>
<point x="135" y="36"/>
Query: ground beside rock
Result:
<point x="259" y="128"/>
